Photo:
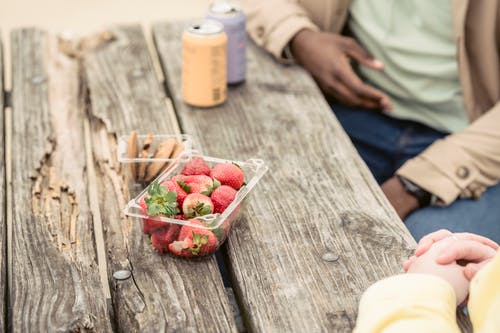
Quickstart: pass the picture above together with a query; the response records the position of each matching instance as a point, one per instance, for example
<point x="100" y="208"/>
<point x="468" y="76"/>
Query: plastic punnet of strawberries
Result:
<point x="197" y="191"/>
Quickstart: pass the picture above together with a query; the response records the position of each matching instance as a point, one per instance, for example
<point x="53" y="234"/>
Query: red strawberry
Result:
<point x="173" y="186"/>
<point x="197" y="204"/>
<point x="199" y="184"/>
<point x="194" y="241"/>
<point x="195" y="183"/>
<point x="149" y="225"/>
<point x="228" y="174"/>
<point x="197" y="166"/>
<point x="162" y="237"/>
<point x="222" y="197"/>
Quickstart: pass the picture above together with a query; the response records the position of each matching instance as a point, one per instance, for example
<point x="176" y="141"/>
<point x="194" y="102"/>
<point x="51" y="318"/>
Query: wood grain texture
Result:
<point x="318" y="197"/>
<point x="54" y="285"/>
<point x="3" y="224"/>
<point x="164" y="294"/>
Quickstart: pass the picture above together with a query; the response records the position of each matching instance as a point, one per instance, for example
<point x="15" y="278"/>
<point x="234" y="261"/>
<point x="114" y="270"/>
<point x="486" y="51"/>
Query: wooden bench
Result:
<point x="66" y="234"/>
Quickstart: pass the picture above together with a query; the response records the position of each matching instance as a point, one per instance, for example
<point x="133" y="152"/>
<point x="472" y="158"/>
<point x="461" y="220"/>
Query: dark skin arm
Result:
<point x="328" y="57"/>
<point x="403" y="202"/>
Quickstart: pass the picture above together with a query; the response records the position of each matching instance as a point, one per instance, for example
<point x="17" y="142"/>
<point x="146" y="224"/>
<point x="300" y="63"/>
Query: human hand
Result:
<point x="403" y="202"/>
<point x="469" y="250"/>
<point x="327" y="57"/>
<point x="471" y="269"/>
<point x="451" y="272"/>
<point x="426" y="242"/>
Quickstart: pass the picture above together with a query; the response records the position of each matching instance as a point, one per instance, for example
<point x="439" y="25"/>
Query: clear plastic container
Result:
<point x="218" y="225"/>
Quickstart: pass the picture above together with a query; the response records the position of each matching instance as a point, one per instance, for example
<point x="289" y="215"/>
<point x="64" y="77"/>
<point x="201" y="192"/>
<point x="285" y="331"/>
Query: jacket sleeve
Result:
<point x="408" y="303"/>
<point x="484" y="298"/>
<point x="273" y="23"/>
<point x="463" y="164"/>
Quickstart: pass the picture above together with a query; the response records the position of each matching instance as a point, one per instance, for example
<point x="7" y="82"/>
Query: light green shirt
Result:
<point x="414" y="39"/>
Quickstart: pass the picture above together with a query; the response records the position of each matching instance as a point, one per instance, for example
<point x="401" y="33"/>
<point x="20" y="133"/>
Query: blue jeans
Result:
<point x="386" y="143"/>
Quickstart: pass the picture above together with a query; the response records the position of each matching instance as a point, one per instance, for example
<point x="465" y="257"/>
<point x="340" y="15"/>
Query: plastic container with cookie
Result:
<point x="191" y="207"/>
<point x="146" y="155"/>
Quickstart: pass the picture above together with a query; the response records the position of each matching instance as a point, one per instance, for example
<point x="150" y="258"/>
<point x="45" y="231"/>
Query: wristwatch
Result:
<point x="423" y="197"/>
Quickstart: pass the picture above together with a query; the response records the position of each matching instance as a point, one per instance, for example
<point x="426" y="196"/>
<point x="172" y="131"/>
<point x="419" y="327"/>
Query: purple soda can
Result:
<point x="234" y="21"/>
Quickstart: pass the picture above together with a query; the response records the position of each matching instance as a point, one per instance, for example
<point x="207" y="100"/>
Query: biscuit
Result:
<point x="164" y="150"/>
<point x="141" y="173"/>
<point x="179" y="148"/>
<point x="132" y="152"/>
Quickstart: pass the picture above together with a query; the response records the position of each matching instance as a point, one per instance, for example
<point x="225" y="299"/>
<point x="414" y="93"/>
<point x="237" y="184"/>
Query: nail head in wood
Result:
<point x="329" y="256"/>
<point x="123" y="274"/>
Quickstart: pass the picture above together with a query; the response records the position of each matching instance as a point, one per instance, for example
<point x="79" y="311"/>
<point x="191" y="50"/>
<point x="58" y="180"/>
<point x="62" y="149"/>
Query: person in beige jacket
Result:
<point x="416" y="85"/>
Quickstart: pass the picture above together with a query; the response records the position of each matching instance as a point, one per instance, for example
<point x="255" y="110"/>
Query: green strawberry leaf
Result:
<point x="237" y="165"/>
<point x="219" y="233"/>
<point x="207" y="193"/>
<point x="216" y="184"/>
<point x="161" y="201"/>
<point x="196" y="238"/>
<point x="184" y="186"/>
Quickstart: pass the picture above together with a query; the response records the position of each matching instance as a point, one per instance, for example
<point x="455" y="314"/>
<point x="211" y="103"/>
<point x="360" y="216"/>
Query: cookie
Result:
<point x="141" y="173"/>
<point x="179" y="148"/>
<point x="133" y="152"/>
<point x="164" y="150"/>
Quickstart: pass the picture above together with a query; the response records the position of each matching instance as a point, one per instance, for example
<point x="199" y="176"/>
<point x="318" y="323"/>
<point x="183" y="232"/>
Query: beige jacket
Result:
<point x="461" y="165"/>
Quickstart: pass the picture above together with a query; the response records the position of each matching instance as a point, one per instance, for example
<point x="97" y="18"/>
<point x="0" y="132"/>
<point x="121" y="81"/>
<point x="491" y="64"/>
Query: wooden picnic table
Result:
<point x="65" y="233"/>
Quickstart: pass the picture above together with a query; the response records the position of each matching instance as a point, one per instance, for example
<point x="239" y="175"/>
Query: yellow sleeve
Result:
<point x="484" y="298"/>
<point x="408" y="303"/>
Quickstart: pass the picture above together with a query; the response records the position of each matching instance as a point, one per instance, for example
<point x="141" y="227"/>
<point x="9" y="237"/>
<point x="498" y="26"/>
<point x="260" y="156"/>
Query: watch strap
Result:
<point x="423" y="197"/>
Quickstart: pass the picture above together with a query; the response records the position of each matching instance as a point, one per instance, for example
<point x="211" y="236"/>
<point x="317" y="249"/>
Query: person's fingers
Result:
<point x="472" y="268"/>
<point x="426" y="242"/>
<point x="468" y="250"/>
<point x="358" y="53"/>
<point x="346" y="96"/>
<point x="477" y="238"/>
<point x="350" y="79"/>
<point x="409" y="262"/>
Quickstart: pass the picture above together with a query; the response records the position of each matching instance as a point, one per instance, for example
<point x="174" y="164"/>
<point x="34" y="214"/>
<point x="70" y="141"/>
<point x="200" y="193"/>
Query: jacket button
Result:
<point x="260" y="31"/>
<point x="463" y="172"/>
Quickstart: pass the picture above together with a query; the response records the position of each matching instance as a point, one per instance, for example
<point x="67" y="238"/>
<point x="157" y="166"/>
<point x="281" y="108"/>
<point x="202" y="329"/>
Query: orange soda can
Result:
<point x="204" y="64"/>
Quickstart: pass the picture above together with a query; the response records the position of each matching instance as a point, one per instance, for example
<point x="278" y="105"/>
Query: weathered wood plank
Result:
<point x="318" y="197"/>
<point x="54" y="286"/>
<point x="3" y="224"/>
<point x="165" y="294"/>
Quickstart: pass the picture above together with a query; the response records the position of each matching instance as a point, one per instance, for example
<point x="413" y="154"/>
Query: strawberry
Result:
<point x="197" y="166"/>
<point x="200" y="184"/>
<point x="194" y="241"/>
<point x="228" y="174"/>
<point x="196" y="183"/>
<point x="162" y="237"/>
<point x="173" y="186"/>
<point x="180" y="248"/>
<point x="197" y="204"/>
<point x="222" y="197"/>
<point x="149" y="225"/>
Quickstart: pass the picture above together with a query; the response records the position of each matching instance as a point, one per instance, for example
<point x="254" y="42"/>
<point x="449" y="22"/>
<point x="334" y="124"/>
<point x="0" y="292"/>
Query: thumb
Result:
<point x="471" y="269"/>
